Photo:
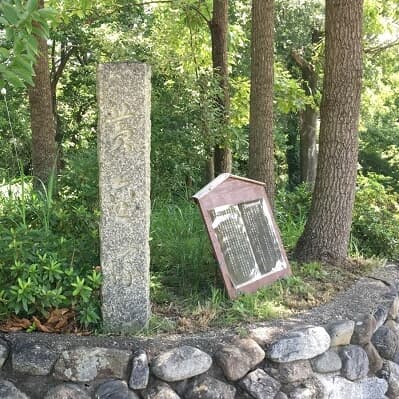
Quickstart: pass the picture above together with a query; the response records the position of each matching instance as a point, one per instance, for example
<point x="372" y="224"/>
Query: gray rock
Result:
<point x="390" y="372"/>
<point x="260" y="385"/>
<point x="340" y="332"/>
<point x="205" y="387"/>
<point x="386" y="342"/>
<point x="391" y="302"/>
<point x="114" y="389"/>
<point x="355" y="363"/>
<point x="327" y="362"/>
<point x="308" y="389"/>
<point x="159" y="390"/>
<point x="393" y="325"/>
<point x="67" y="391"/>
<point x="9" y="391"/>
<point x="261" y="335"/>
<point x="238" y="359"/>
<point x="295" y="371"/>
<point x="272" y="369"/>
<point x="335" y="387"/>
<point x="380" y="316"/>
<point x="124" y="102"/>
<point x="363" y="331"/>
<point x="4" y="351"/>
<point x="33" y="359"/>
<point x="394" y="309"/>
<point x="372" y="388"/>
<point x="181" y="363"/>
<point x="281" y="395"/>
<point x="375" y="360"/>
<point x="86" y="364"/>
<point x="140" y="371"/>
<point x="300" y="345"/>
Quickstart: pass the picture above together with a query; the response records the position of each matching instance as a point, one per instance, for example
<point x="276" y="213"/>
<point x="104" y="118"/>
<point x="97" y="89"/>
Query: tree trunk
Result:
<point x="327" y="231"/>
<point x="219" y="28"/>
<point x="44" y="149"/>
<point x="308" y="123"/>
<point x="308" y="145"/>
<point x="292" y="150"/>
<point x="261" y="147"/>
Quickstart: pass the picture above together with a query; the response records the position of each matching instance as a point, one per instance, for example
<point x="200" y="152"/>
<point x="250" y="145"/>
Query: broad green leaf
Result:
<point x="4" y="53"/>
<point x="22" y="64"/>
<point x="11" y="14"/>
<point x="41" y="31"/>
<point x="26" y="78"/>
<point x="31" y="44"/>
<point x="13" y="78"/>
<point x="32" y="5"/>
<point x="47" y="13"/>
<point x="3" y="21"/>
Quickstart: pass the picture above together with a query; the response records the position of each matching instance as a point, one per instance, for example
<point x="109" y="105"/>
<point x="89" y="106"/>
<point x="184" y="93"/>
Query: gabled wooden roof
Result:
<point x="219" y="180"/>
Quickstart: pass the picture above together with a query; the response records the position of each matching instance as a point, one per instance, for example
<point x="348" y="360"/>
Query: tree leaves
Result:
<point x="22" y="21"/>
<point x="10" y="13"/>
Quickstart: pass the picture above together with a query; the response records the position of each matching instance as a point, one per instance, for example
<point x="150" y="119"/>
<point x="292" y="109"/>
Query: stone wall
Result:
<point x="356" y="359"/>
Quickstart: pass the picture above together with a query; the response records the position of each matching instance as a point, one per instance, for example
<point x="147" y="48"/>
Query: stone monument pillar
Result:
<point x="123" y="94"/>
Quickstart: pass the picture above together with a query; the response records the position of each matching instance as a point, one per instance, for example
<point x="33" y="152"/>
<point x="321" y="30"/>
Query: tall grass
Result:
<point x="181" y="256"/>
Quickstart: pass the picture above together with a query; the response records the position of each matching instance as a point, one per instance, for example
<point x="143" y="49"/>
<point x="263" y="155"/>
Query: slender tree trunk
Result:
<point x="261" y="147"/>
<point x="327" y="231"/>
<point x="44" y="149"/>
<point x="292" y="151"/>
<point x="308" y="123"/>
<point x="308" y="145"/>
<point x="219" y="28"/>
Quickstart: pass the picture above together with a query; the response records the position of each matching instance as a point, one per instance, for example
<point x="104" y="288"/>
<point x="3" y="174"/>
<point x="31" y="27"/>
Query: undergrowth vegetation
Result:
<point x="187" y="290"/>
<point x="49" y="249"/>
<point x="49" y="246"/>
<point x="49" y="239"/>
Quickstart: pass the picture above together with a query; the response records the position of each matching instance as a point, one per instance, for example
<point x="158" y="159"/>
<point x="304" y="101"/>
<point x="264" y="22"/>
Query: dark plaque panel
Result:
<point x="248" y="241"/>
<point x="261" y="236"/>
<point x="234" y="241"/>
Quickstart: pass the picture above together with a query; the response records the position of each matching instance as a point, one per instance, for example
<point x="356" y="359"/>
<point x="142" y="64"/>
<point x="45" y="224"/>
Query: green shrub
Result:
<point x="292" y="208"/>
<point x="375" y="226"/>
<point x="49" y="248"/>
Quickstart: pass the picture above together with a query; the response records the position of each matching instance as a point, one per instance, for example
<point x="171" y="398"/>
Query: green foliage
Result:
<point x="292" y="208"/>
<point x="49" y="249"/>
<point x="375" y="227"/>
<point x="15" y="146"/>
<point x="185" y="275"/>
<point x="21" y="22"/>
<point x="181" y="257"/>
<point x="49" y="244"/>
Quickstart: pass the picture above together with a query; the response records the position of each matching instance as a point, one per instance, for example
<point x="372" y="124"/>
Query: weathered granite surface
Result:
<point x="123" y="92"/>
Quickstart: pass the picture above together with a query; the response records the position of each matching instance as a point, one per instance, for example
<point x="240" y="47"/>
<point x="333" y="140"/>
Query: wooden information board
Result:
<point x="243" y="233"/>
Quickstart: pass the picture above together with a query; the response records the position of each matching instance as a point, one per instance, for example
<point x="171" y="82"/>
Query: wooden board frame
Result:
<point x="231" y="190"/>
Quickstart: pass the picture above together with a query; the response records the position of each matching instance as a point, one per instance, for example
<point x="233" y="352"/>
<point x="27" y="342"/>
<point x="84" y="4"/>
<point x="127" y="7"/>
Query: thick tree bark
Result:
<point x="327" y="231"/>
<point x="219" y="29"/>
<point x="44" y="148"/>
<point x="261" y="147"/>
